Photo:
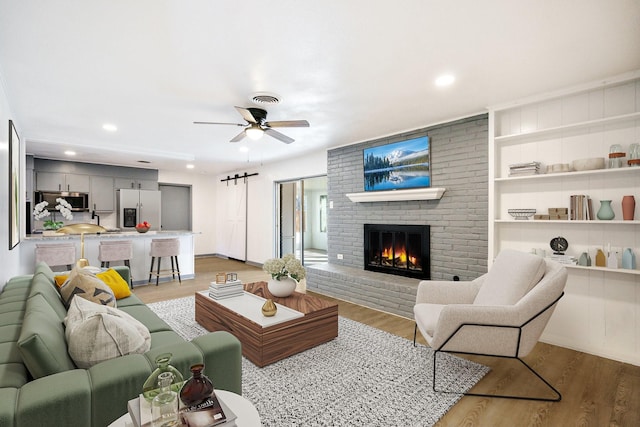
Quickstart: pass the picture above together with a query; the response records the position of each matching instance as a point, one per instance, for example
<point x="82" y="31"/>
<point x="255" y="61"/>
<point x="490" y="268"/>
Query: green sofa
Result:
<point x="30" y="305"/>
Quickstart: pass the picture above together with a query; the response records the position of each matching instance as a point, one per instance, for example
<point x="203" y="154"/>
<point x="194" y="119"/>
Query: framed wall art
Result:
<point x="14" y="186"/>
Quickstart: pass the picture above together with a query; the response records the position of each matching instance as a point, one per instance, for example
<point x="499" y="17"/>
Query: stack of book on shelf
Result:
<point x="564" y="259"/>
<point x="580" y="208"/>
<point x="520" y="169"/>
<point x="212" y="412"/>
<point x="229" y="289"/>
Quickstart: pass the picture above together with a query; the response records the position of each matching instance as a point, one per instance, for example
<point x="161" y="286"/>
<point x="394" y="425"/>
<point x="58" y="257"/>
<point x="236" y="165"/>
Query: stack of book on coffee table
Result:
<point x="228" y="289"/>
<point x="212" y="412"/>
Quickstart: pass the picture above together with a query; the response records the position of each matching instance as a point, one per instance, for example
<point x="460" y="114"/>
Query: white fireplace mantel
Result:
<point x="397" y="195"/>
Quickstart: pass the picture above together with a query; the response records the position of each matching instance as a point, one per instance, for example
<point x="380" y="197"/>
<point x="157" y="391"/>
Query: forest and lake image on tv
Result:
<point x="397" y="166"/>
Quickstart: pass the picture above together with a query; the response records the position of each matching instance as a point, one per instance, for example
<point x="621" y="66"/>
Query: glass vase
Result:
<point x="150" y="386"/>
<point x="196" y="389"/>
<point x="164" y="406"/>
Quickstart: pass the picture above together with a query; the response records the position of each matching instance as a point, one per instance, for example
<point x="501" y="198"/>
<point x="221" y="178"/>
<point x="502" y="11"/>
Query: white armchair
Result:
<point x="502" y="313"/>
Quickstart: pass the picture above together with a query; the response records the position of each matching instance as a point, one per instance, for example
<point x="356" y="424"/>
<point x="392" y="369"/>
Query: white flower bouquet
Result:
<point x="287" y="266"/>
<point x="40" y="211"/>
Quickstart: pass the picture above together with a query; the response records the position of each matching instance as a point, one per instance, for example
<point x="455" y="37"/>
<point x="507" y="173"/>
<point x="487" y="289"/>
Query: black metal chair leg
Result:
<point x="151" y="269"/>
<point x="127" y="263"/>
<point x="173" y="269"/>
<point x="178" y="270"/>
<point x="504" y="396"/>
<point x="158" y="275"/>
<point x="415" y="332"/>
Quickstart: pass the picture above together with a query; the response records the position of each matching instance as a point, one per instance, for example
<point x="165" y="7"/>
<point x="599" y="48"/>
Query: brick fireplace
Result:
<point x="457" y="223"/>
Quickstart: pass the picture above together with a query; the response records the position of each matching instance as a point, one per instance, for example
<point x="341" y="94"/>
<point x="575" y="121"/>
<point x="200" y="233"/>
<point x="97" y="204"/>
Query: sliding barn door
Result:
<point x="235" y="231"/>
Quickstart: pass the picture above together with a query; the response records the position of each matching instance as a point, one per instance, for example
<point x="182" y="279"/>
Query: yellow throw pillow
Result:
<point x="110" y="277"/>
<point x="115" y="281"/>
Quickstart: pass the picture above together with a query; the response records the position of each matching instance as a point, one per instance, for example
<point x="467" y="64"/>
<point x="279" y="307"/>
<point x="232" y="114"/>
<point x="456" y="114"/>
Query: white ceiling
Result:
<point x="356" y="70"/>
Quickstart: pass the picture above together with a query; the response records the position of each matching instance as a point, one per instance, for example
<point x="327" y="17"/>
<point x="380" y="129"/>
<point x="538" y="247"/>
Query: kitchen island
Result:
<point x="141" y="261"/>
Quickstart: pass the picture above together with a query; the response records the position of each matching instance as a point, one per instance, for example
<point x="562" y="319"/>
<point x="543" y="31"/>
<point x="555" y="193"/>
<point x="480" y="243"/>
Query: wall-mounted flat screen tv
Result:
<point x="398" y="166"/>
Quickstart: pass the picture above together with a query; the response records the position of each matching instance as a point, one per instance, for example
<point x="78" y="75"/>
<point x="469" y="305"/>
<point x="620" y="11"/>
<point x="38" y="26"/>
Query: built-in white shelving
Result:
<point x="558" y="175"/>
<point x="605" y="269"/>
<point x="557" y="130"/>
<point x="600" y="312"/>
<point x="564" y="222"/>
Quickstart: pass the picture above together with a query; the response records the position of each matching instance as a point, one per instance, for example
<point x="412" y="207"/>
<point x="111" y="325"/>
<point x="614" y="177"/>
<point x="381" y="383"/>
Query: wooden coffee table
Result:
<point x="265" y="340"/>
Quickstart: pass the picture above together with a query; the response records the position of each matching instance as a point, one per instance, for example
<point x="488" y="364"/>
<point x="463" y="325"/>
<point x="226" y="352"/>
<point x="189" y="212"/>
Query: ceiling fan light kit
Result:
<point x="257" y="125"/>
<point x="254" y="132"/>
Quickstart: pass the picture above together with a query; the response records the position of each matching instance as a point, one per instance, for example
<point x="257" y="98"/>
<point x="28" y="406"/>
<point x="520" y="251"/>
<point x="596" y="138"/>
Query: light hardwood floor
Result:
<point x="595" y="391"/>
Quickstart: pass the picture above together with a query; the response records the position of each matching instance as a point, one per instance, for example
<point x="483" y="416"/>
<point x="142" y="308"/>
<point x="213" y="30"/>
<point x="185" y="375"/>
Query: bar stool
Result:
<point x="116" y="250"/>
<point x="165" y="248"/>
<point x="56" y="254"/>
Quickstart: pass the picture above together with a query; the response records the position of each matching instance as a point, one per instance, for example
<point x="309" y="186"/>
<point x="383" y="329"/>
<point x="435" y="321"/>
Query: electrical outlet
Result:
<point x="330" y="204"/>
<point x="340" y="256"/>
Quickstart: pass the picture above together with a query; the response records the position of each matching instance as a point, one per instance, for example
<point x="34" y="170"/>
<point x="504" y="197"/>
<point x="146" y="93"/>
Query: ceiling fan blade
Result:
<point x="246" y="114"/>
<point x="288" y="124"/>
<point x="218" y="123"/>
<point x="239" y="137"/>
<point x="279" y="136"/>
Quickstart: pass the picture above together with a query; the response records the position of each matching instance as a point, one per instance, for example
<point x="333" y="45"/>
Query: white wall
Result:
<point x="203" y="196"/>
<point x="261" y="220"/>
<point x="9" y="259"/>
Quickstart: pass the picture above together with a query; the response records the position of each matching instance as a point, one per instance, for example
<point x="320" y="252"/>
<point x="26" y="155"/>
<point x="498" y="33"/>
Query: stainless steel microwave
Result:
<point x="79" y="201"/>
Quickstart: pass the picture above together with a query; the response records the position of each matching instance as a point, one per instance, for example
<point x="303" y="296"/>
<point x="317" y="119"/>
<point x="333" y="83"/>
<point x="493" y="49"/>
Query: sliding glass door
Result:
<point x="302" y="219"/>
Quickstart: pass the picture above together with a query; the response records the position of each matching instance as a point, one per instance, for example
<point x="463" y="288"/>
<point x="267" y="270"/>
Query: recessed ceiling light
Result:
<point x="70" y="153"/>
<point x="190" y="166"/>
<point x="243" y="149"/>
<point x="109" y="127"/>
<point x="445" y="80"/>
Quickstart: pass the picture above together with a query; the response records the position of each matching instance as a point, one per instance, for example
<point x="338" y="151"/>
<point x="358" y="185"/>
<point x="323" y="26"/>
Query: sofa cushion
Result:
<point x="83" y="283"/>
<point x="42" y="285"/>
<point x="96" y="333"/>
<point x="147" y="317"/>
<point x="42" y="342"/>
<point x="511" y="276"/>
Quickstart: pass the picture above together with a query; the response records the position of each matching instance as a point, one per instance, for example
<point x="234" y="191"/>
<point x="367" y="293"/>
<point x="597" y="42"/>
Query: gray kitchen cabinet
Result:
<point x="135" y="184"/>
<point x="102" y="194"/>
<point x="56" y="181"/>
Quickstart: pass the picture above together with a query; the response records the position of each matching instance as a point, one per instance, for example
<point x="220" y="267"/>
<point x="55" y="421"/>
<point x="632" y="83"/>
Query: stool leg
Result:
<point x="126" y="262"/>
<point x="173" y="269"/>
<point x="151" y="269"/>
<point x="158" y="275"/>
<point x="107" y="264"/>
<point x="101" y="264"/>
<point x="178" y="270"/>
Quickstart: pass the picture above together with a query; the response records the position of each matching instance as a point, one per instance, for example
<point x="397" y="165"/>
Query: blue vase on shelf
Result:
<point x="629" y="259"/>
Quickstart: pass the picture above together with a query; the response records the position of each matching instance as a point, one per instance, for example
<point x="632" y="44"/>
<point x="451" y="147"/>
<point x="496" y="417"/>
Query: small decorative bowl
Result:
<point x="591" y="163"/>
<point x="142" y="229"/>
<point x="521" y="214"/>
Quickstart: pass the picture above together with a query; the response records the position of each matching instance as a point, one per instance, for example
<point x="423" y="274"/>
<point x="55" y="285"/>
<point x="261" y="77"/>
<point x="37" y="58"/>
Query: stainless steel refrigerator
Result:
<point x="135" y="206"/>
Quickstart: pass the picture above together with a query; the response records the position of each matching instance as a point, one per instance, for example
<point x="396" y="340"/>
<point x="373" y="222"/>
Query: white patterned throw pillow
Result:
<point x="96" y="333"/>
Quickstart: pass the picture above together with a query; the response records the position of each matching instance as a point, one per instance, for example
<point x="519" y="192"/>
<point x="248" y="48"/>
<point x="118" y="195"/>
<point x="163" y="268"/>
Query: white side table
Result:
<point x="246" y="412"/>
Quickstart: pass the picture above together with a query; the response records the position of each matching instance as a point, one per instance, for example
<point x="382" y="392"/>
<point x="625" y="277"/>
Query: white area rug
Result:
<point x="364" y="377"/>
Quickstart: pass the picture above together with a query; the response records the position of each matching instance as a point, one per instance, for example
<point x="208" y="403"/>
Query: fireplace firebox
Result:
<point x="397" y="249"/>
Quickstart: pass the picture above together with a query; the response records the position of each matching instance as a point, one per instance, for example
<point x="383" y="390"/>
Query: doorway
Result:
<point x="175" y="210"/>
<point x="302" y="219"/>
